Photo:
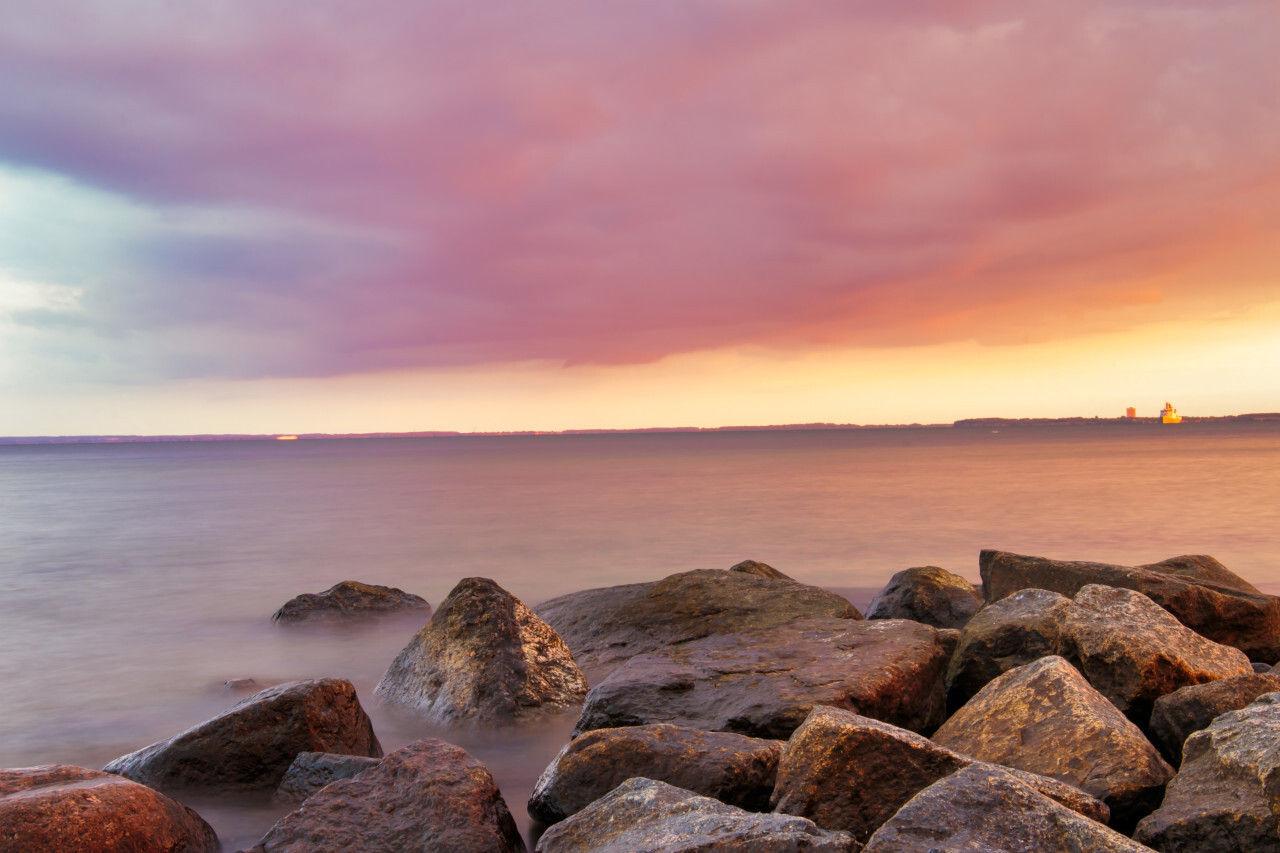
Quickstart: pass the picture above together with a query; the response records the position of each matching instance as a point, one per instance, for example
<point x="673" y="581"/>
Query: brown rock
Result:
<point x="1178" y="715"/>
<point x="764" y="683"/>
<point x="1202" y="593"/>
<point x="483" y="658"/>
<point x="350" y="600"/>
<point x="1045" y="718"/>
<point x="311" y="771"/>
<point x="428" y="796"/>
<point x="764" y="570"/>
<point x="985" y="809"/>
<point x="927" y="594"/>
<point x="733" y="769"/>
<point x="849" y="772"/>
<point x="57" y="808"/>
<point x="605" y="627"/>
<point x="249" y="747"/>
<point x="654" y="817"/>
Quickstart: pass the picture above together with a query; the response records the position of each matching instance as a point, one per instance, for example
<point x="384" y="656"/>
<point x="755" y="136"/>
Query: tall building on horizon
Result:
<point x="1131" y="412"/>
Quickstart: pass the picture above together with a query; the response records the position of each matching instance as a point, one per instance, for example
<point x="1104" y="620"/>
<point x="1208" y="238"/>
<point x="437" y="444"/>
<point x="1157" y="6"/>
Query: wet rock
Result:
<point x="845" y="771"/>
<point x="764" y="683"/>
<point x="249" y="747"/>
<point x="1261" y="667"/>
<point x="985" y="808"/>
<point x="241" y="685"/>
<point x="311" y="771"/>
<point x="927" y="594"/>
<point x="351" y="600"/>
<point x="764" y="570"/>
<point x="1178" y="715"/>
<point x="731" y="768"/>
<point x="1045" y="718"/>
<point x="57" y="808"/>
<point x="483" y="658"/>
<point x="605" y="627"/>
<point x="428" y="796"/>
<point x="1202" y="593"/>
<point x="642" y="814"/>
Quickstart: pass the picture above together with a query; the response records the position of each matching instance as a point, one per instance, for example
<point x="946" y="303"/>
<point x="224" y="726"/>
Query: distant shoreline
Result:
<point x="967" y="423"/>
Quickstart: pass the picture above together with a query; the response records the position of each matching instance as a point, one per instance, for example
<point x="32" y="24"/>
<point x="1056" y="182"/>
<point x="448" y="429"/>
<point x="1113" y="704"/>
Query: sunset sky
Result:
<point x="323" y="216"/>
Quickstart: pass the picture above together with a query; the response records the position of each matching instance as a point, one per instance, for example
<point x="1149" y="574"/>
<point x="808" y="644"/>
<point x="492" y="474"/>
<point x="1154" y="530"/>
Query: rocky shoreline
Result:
<point x="1059" y="705"/>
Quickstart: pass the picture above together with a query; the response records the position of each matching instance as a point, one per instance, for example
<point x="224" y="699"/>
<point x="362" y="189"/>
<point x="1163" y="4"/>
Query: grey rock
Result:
<point x="654" y="817"/>
<point x="429" y="796"/>
<point x="605" y="627"/>
<point x="311" y="771"/>
<point x="1178" y="715"/>
<point x="1044" y="718"/>
<point x="483" y="658"/>
<point x="764" y="683"/>
<point x="849" y="772"/>
<point x="985" y="809"/>
<point x="249" y="747"/>
<point x="351" y="600"/>
<point x="927" y="594"/>
<point x="732" y="768"/>
<point x="764" y="570"/>
<point x="1201" y="592"/>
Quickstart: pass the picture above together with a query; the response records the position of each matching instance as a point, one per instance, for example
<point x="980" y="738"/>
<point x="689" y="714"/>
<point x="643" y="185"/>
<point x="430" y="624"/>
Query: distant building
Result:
<point x="1169" y="415"/>
<point x="1131" y="412"/>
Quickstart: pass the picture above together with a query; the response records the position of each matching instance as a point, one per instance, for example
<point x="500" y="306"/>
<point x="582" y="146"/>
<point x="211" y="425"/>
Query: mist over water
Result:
<point x="135" y="579"/>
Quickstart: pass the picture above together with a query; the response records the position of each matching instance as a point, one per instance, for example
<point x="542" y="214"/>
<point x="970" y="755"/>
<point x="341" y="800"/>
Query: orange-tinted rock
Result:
<point x="927" y="594"/>
<point x="764" y="570"/>
<point x="1180" y="714"/>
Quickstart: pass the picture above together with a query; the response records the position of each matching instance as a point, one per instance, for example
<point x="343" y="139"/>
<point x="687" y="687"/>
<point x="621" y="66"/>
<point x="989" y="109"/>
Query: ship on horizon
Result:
<point x="1169" y="415"/>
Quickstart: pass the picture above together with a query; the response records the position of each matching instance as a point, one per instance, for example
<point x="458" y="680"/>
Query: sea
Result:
<point x="137" y="579"/>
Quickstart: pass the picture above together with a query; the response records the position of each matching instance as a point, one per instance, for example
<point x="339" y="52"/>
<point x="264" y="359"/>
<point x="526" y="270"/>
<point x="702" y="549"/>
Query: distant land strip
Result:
<point x="967" y="423"/>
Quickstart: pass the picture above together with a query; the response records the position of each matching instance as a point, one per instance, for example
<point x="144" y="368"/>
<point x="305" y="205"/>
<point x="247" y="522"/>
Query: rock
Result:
<point x="1044" y="718"/>
<point x="1261" y="667"/>
<point x="58" y="808"/>
<point x="605" y="627"/>
<point x="241" y="685"/>
<point x="644" y="815"/>
<point x="1201" y="592"/>
<point x="764" y="683"/>
<point x="733" y="769"/>
<point x="249" y="747"/>
<point x="927" y="594"/>
<point x="985" y="809"/>
<point x="351" y="600"/>
<point x="1178" y="715"/>
<point x="849" y="772"/>
<point x="483" y="658"/>
<point x="311" y="771"/>
<point x="764" y="570"/>
<point x="428" y="796"/>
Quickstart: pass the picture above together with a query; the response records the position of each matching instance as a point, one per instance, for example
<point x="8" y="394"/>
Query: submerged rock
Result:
<point x="351" y="600"/>
<point x="1226" y="796"/>
<point x="429" y="796"/>
<point x="1201" y="592"/>
<point x="927" y="594"/>
<point x="63" y="809"/>
<point x="484" y="658"/>
<point x="1189" y="709"/>
<point x="985" y="808"/>
<point x="311" y="771"/>
<point x="249" y="747"/>
<point x="733" y="769"/>
<point x="845" y="771"/>
<point x="764" y="683"/>
<point x="764" y="570"/>
<point x="1045" y="718"/>
<point x="605" y="627"/>
<point x="650" y="816"/>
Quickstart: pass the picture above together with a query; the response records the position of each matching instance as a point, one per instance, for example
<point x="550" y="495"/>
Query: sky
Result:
<point x="327" y="216"/>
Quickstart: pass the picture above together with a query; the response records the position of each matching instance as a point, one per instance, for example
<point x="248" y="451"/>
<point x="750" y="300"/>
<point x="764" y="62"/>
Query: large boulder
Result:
<point x="1045" y="718"/>
<point x="483" y="658"/>
<point x="1201" y="592"/>
<point x="927" y="594"/>
<point x="428" y="796"/>
<point x="605" y="627"/>
<point x="311" y="771"/>
<point x="249" y="747"/>
<point x="764" y="683"/>
<point x="845" y="771"/>
<point x="642" y="814"/>
<point x="63" y="809"/>
<point x="1226" y="795"/>
<point x="1178" y="715"/>
<point x="764" y="570"/>
<point x="351" y="600"/>
<point x="984" y="808"/>
<point x="732" y="768"/>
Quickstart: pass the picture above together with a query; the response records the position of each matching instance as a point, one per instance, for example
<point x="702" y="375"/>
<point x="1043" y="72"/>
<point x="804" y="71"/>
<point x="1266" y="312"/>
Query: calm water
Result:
<point x="135" y="579"/>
